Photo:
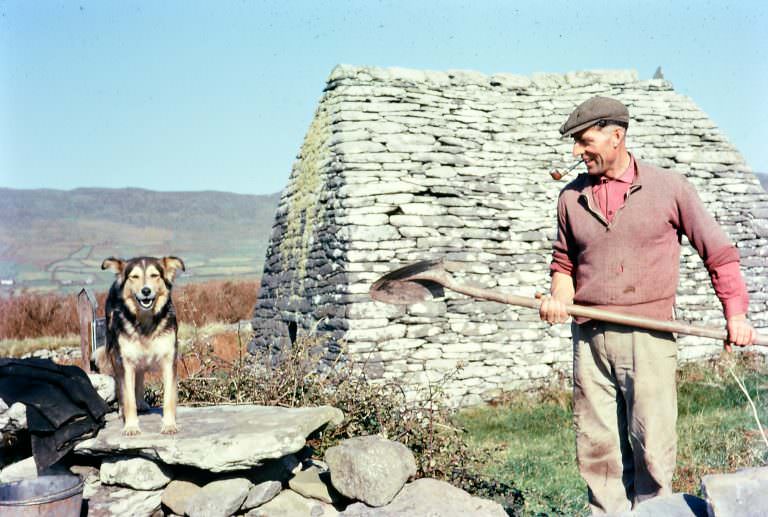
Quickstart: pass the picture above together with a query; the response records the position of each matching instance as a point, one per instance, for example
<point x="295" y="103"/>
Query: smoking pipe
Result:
<point x="557" y="175"/>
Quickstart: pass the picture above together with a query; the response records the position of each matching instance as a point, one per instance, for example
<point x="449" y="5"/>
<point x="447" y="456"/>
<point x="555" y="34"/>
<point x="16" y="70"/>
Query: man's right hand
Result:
<point x="553" y="310"/>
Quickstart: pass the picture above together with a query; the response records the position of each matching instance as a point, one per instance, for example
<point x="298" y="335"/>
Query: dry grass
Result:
<point x="30" y="316"/>
<point x="211" y="376"/>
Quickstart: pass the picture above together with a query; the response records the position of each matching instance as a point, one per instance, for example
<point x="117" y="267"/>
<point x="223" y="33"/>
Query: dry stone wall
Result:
<point x="401" y="165"/>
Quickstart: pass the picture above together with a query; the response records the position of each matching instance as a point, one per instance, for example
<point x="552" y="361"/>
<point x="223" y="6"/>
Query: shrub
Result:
<point x="369" y="406"/>
<point x="31" y="315"/>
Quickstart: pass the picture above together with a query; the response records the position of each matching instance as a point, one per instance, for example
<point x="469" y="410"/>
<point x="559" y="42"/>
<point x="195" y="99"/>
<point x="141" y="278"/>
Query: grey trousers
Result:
<point x="625" y="413"/>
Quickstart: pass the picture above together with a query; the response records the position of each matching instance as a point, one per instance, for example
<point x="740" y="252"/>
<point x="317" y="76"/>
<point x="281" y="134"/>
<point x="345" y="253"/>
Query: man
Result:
<point x="618" y="248"/>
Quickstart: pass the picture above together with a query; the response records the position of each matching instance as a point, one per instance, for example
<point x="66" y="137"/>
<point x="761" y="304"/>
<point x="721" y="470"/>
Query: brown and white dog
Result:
<point x="142" y="334"/>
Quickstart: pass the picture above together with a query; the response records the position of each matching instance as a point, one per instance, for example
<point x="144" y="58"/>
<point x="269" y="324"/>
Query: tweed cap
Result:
<point x="592" y="111"/>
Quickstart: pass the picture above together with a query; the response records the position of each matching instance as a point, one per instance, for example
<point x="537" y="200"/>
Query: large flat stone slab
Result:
<point x="216" y="438"/>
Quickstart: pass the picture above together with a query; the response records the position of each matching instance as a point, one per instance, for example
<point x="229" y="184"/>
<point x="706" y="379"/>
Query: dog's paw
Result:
<point x="131" y="430"/>
<point x="169" y="429"/>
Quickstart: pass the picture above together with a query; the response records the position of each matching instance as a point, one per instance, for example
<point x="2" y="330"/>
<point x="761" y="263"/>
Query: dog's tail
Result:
<point x="102" y="361"/>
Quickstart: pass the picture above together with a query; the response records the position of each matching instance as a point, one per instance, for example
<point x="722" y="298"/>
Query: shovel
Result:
<point x="426" y="279"/>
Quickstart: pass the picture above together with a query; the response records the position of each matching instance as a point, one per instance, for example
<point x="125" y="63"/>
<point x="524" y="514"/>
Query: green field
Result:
<point x="535" y="441"/>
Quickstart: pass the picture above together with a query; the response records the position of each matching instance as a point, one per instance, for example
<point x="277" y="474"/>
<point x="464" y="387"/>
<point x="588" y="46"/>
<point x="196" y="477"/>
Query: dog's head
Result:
<point x="145" y="282"/>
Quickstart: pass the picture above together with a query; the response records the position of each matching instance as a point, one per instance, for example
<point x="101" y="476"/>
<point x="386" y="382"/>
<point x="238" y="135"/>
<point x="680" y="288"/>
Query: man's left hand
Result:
<point x="740" y="332"/>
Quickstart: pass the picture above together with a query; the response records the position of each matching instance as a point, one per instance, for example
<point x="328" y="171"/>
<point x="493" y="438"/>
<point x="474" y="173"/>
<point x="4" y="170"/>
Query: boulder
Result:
<point x="370" y="468"/>
<point x="219" y="498"/>
<point x="217" y="438"/>
<point x="743" y="493"/>
<point x="314" y="484"/>
<point x="291" y="504"/>
<point x="178" y="494"/>
<point x="261" y="493"/>
<point x="674" y="505"/>
<point x="137" y="473"/>
<point x="430" y="498"/>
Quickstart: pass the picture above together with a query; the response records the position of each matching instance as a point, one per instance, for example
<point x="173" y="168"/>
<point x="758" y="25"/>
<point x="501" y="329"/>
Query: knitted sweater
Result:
<point x="631" y="265"/>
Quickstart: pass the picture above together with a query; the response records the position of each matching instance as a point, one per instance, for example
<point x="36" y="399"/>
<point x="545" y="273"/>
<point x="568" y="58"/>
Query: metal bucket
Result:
<point x="59" y="495"/>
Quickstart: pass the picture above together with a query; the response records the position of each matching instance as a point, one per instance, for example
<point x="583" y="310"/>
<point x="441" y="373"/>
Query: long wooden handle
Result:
<point x="601" y="314"/>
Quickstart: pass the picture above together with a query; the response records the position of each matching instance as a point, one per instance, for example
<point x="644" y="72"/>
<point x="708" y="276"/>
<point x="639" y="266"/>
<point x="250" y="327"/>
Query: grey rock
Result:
<point x="370" y="469"/>
<point x="219" y="498"/>
<point x="290" y="504"/>
<point x="674" y="505"/>
<point x="261" y="493"/>
<point x="178" y="494"/>
<point x="430" y="498"/>
<point x="105" y="386"/>
<point x="137" y="473"/>
<point x="217" y="438"/>
<point x="314" y="484"/>
<point x="743" y="493"/>
<point x="119" y="502"/>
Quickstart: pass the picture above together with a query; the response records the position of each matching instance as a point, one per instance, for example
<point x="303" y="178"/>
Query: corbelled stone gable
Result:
<point x="401" y="165"/>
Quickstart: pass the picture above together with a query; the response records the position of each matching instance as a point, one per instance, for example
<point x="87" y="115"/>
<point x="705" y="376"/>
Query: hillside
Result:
<point x="55" y="239"/>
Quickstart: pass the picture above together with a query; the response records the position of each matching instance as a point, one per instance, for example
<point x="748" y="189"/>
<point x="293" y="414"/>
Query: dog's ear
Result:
<point x="172" y="265"/>
<point x="115" y="265"/>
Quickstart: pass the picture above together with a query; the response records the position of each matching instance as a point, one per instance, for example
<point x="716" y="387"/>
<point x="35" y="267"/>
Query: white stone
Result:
<point x="105" y="386"/>
<point x="137" y="473"/>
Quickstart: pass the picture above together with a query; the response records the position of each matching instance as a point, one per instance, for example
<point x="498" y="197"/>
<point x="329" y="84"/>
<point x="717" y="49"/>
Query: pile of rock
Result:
<point x="400" y="165"/>
<point x="253" y="460"/>
<point x="249" y="460"/>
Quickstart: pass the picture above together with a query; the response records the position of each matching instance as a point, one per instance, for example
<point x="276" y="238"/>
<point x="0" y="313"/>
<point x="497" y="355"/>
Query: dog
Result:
<point x="141" y="335"/>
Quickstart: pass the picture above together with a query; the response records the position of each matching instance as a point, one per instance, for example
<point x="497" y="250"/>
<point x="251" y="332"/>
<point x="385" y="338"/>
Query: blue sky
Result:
<point x="218" y="95"/>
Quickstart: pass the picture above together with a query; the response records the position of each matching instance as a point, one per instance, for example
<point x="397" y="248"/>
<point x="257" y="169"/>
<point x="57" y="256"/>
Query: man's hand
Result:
<point x="740" y="332"/>
<point x="552" y="308"/>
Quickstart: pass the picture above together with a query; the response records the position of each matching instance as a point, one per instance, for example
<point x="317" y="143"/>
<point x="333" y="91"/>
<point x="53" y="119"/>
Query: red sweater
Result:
<point x="630" y="264"/>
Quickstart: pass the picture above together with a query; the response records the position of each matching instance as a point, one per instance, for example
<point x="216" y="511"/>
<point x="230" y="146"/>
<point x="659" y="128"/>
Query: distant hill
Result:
<point x="55" y="239"/>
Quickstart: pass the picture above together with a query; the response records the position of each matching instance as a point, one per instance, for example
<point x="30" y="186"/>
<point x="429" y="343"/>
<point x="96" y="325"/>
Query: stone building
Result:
<point x="400" y="165"/>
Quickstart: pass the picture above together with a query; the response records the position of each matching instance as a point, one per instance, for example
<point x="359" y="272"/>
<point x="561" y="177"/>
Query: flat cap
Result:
<point x="592" y="111"/>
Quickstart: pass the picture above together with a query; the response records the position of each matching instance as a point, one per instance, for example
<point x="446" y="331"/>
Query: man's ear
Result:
<point x="172" y="265"/>
<point x="115" y="265"/>
<point x="618" y="135"/>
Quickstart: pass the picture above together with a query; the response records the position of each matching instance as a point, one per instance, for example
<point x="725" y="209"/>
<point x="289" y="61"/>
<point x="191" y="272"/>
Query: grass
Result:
<point x="535" y="441"/>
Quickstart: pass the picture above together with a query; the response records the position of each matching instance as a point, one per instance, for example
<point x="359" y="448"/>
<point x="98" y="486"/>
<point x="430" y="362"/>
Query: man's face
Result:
<point x="598" y="147"/>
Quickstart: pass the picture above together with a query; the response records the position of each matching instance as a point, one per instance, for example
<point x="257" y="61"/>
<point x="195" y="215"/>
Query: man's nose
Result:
<point x="577" y="149"/>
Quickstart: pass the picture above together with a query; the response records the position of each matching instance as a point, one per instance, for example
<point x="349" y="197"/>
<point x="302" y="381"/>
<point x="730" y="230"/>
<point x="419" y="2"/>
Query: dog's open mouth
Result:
<point x="146" y="303"/>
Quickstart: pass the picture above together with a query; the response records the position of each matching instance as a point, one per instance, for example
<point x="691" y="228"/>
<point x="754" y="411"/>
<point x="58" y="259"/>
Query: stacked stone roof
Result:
<point x="400" y="165"/>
